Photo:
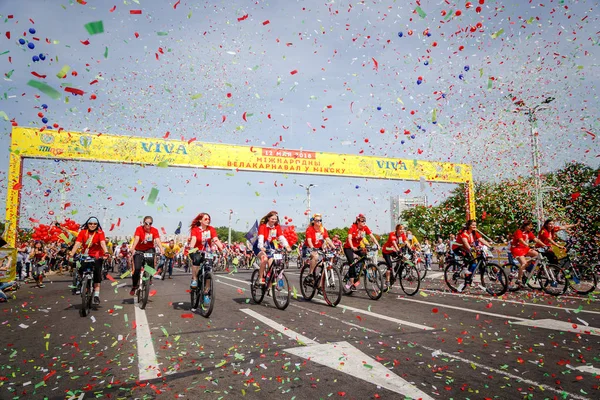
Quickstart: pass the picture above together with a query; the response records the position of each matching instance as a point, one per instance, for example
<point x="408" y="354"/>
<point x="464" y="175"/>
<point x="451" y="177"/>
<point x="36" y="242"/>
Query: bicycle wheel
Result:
<point x="420" y="265"/>
<point x="410" y="280"/>
<point x="207" y="303"/>
<point x="452" y="276"/>
<point x="582" y="279"/>
<point x="554" y="280"/>
<point x="163" y="271"/>
<point x="307" y="288"/>
<point x="345" y="274"/>
<point x="373" y="282"/>
<point x="534" y="282"/>
<point x="494" y="279"/>
<point x="194" y="298"/>
<point x="86" y="296"/>
<point x="257" y="292"/>
<point x="332" y="286"/>
<point x="511" y="276"/>
<point x="281" y="291"/>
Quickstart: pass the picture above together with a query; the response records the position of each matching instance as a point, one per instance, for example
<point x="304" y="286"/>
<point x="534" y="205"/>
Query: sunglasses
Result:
<point x="92" y="223"/>
<point x="318" y="220"/>
<point x="148" y="223"/>
<point x="362" y="220"/>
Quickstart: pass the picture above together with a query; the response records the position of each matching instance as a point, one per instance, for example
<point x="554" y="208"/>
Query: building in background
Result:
<point x="399" y="204"/>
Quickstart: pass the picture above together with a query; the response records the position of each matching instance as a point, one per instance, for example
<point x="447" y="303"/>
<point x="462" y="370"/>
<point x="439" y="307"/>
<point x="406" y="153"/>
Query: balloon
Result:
<point x="400" y="34"/>
<point x="35" y="59"/>
<point x="42" y="57"/>
<point x="31" y="45"/>
<point x="45" y="120"/>
<point x="461" y="77"/>
<point x="378" y="108"/>
<point x="466" y="68"/>
<point x="426" y="63"/>
<point x="21" y="41"/>
<point x="44" y="106"/>
<point x="32" y="31"/>
<point x="419" y="81"/>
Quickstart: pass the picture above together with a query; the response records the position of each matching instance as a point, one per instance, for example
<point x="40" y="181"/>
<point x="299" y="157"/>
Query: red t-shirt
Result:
<point x="546" y="235"/>
<point x="388" y="247"/>
<point x="91" y="242"/>
<point x="519" y="234"/>
<point x="146" y="239"/>
<point x="470" y="236"/>
<point x="269" y="233"/>
<point x="318" y="238"/>
<point x="203" y="236"/>
<point x="357" y="235"/>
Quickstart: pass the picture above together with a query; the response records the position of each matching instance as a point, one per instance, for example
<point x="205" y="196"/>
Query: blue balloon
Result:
<point x="426" y="63"/>
<point x="42" y="57"/>
<point x="402" y="142"/>
<point x="357" y="187"/>
<point x="460" y="76"/>
<point x="379" y="108"/>
<point x="45" y="120"/>
<point x="466" y="68"/>
<point x="44" y="106"/>
<point x="400" y="34"/>
<point x="412" y="136"/>
<point x="49" y="127"/>
<point x="419" y="81"/>
<point x="434" y="122"/>
<point x="32" y="31"/>
<point x="428" y="34"/>
<point x="443" y="95"/>
<point x="35" y="58"/>
<point x="31" y="45"/>
<point x="21" y="41"/>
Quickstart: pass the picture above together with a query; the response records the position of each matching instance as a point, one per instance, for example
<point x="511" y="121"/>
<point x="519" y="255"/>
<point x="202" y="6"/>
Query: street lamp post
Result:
<point x="307" y="187"/>
<point x="537" y="175"/>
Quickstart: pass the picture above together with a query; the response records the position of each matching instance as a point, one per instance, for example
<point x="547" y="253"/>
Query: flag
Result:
<point x="252" y="234"/>
<point x="178" y="230"/>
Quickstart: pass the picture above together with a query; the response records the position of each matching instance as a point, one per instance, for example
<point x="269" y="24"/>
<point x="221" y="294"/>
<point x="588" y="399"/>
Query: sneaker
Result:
<point x="428" y="268"/>
<point x="194" y="284"/>
<point x="353" y="288"/>
<point x="78" y="291"/>
<point x="348" y="286"/>
<point x="170" y="277"/>
<point x="41" y="285"/>
<point x="96" y="300"/>
<point x="132" y="291"/>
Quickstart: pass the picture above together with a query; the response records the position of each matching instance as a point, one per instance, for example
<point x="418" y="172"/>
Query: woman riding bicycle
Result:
<point x="395" y="240"/>
<point x="202" y="238"/>
<point x="269" y="230"/>
<point x="467" y="239"/>
<point x="547" y="235"/>
<point x="520" y="247"/>
<point x="316" y="238"/>
<point x="357" y="232"/>
<point x="146" y="239"/>
<point x="93" y="244"/>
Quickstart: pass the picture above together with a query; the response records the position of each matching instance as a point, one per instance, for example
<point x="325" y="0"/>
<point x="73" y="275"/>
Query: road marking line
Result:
<point x="147" y="361"/>
<point x="559" y="326"/>
<point x="461" y="309"/>
<point x="476" y="296"/>
<point x="343" y="357"/>
<point x="365" y="312"/>
<point x="586" y="368"/>
<point x="470" y="362"/>
<point x="277" y="326"/>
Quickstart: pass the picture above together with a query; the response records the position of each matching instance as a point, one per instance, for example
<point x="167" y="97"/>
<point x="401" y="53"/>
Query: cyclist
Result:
<point x="357" y="232"/>
<point x="92" y="242"/>
<point x="38" y="259"/>
<point x="546" y="236"/>
<point x="520" y="247"/>
<point x="122" y="253"/>
<point x="146" y="239"/>
<point x="466" y="240"/>
<point x="316" y="238"/>
<point x="391" y="247"/>
<point x="269" y="231"/>
<point x="202" y="238"/>
<point x="170" y="252"/>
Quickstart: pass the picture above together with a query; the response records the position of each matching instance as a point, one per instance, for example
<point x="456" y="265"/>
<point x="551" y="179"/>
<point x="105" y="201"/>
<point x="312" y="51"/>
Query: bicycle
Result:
<point x="582" y="279"/>
<point x="162" y="264"/>
<point x="146" y="273"/>
<point x="202" y="290"/>
<point x="373" y="280"/>
<point x="540" y="274"/>
<point x="493" y="277"/>
<point x="275" y="280"/>
<point x="87" y="283"/>
<point x="328" y="284"/>
<point x="407" y="274"/>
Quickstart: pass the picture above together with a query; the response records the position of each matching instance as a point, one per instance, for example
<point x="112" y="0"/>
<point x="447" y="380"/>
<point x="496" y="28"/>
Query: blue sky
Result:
<point x="325" y="76"/>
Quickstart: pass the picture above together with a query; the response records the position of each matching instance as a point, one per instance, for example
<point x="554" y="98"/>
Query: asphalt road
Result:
<point x="435" y="344"/>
